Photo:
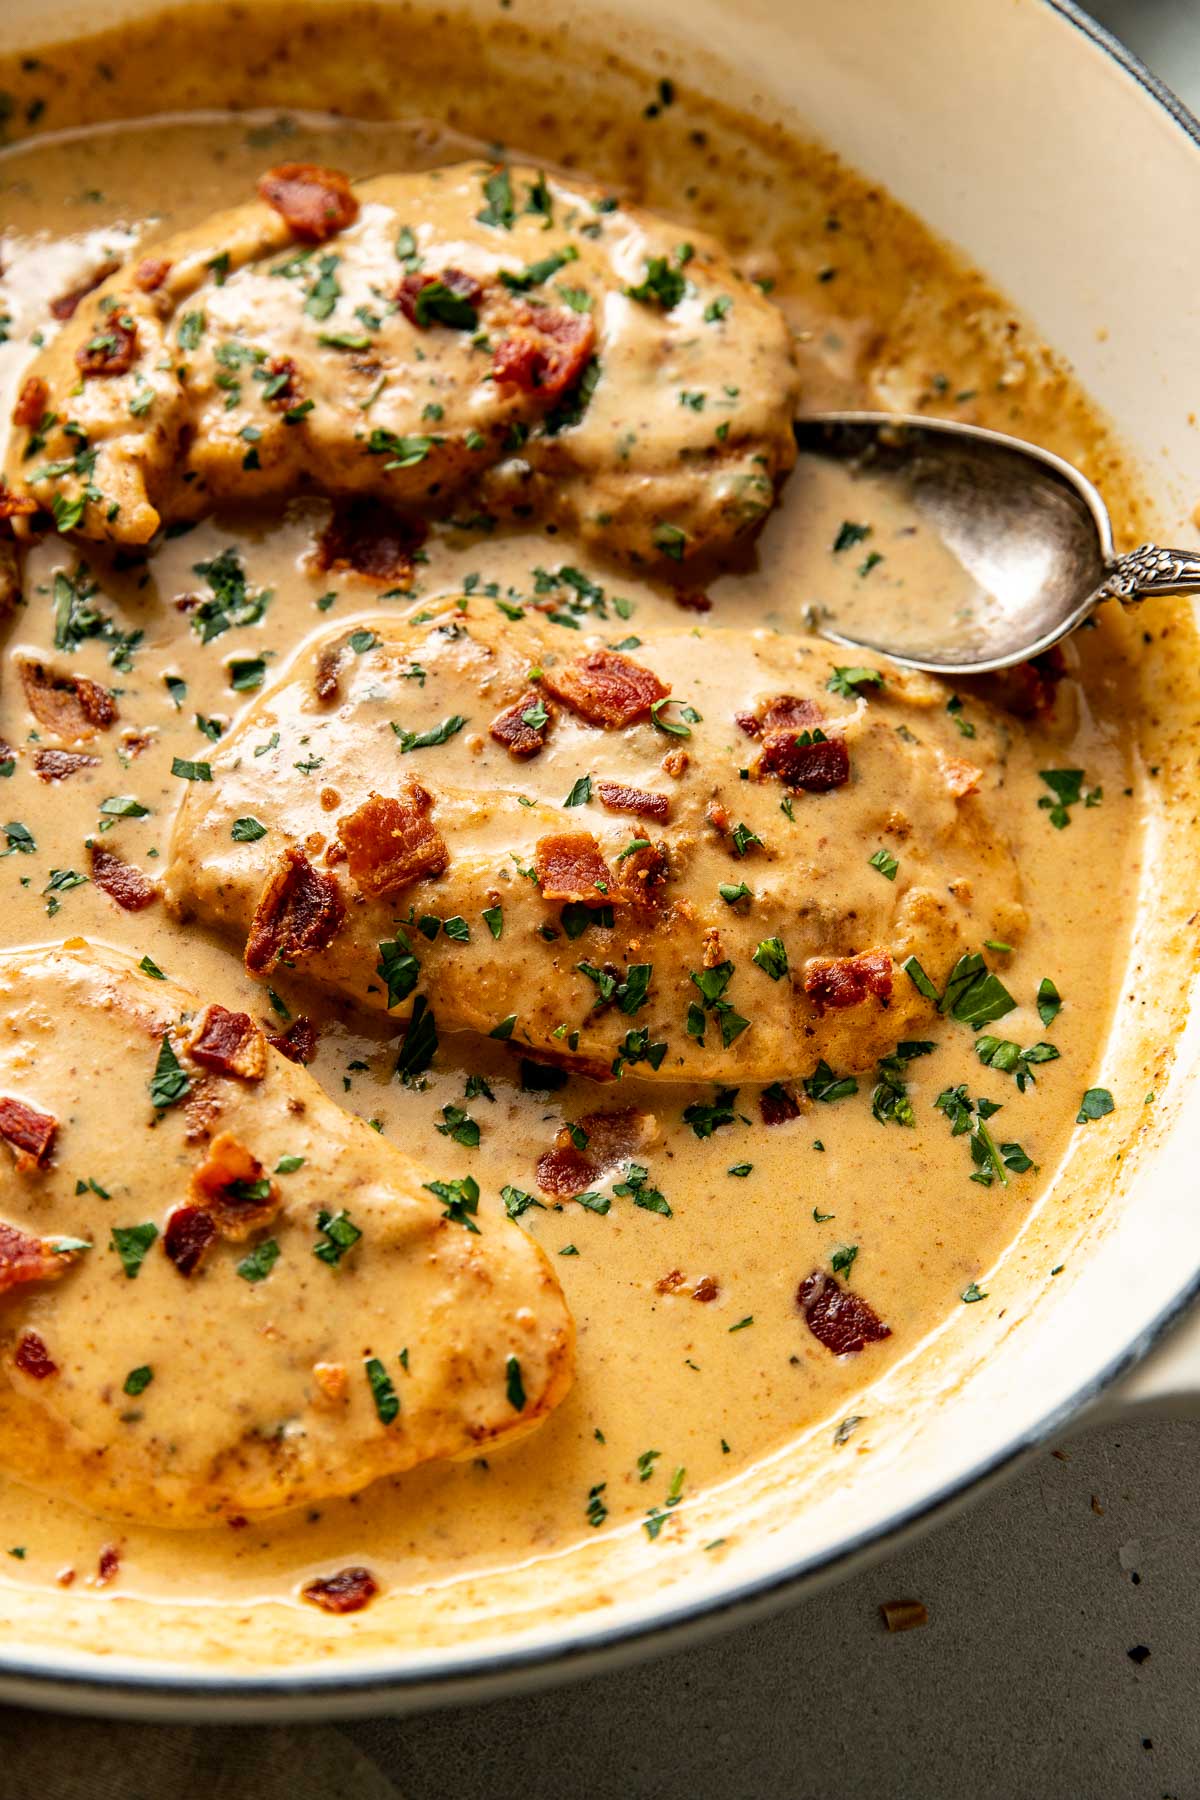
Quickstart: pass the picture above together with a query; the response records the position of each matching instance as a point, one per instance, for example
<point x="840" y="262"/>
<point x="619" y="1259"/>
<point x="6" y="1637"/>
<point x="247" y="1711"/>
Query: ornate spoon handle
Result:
<point x="1151" y="570"/>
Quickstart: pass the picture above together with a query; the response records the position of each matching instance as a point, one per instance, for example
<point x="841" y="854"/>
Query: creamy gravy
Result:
<point x="671" y="1395"/>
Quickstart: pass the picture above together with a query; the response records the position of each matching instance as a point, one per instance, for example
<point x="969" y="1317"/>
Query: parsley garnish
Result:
<point x="131" y="1242"/>
<point x="170" y="1083"/>
<point x="340" y="1234"/>
<point x="387" y="1403"/>
<point x="514" y="1387"/>
<point x="460" y="1198"/>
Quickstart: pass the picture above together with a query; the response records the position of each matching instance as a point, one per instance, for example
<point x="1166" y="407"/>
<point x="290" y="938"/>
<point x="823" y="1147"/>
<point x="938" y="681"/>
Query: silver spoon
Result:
<point x="1031" y="534"/>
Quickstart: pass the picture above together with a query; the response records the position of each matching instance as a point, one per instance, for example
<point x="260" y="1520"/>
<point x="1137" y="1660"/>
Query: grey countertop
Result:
<point x="1061" y="1657"/>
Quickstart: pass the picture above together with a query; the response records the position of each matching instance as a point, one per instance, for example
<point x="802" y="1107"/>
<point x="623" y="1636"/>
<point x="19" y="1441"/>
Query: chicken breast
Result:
<point x="241" y="1300"/>
<point x="496" y="331"/>
<point x="711" y="854"/>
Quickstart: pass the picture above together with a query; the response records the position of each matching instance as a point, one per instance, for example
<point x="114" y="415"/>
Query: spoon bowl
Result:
<point x="1030" y="534"/>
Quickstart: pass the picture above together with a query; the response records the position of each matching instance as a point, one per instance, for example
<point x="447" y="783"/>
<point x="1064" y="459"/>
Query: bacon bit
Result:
<point x="675" y="763"/>
<point x="313" y="202"/>
<point x="29" y="1132"/>
<point x="66" y="304"/>
<point x="71" y="705"/>
<point x="150" y="274"/>
<point x="32" y="1357"/>
<point x="202" y="1108"/>
<point x="643" y="872"/>
<point x="570" y="867"/>
<point x="124" y="882"/>
<point x="837" y="982"/>
<point x="962" y="778"/>
<point x="748" y="722"/>
<point x="298" y="1043"/>
<point x="605" y="688"/>
<point x="106" y="1568"/>
<point x="189" y="1231"/>
<point x="838" y="1318"/>
<point x="283" y="393"/>
<point x="547" y="351"/>
<point x="112" y="350"/>
<point x="346" y="1592"/>
<point x="512" y="729"/>
<point x="367" y="538"/>
<point x="31" y="402"/>
<point x="457" y="280"/>
<point x="788" y="713"/>
<point x="65" y="1577"/>
<point x="711" y="954"/>
<point x="57" y="765"/>
<point x="299" y="911"/>
<point x="634" y="800"/>
<point x="332" y="1380"/>
<point x="692" y="601"/>
<point x="328" y="679"/>
<point x="612" y="1139"/>
<point x="777" y="1104"/>
<point x="1031" y="689"/>
<point x="24" y="1258"/>
<point x="229" y="1043"/>
<point x="589" y="1067"/>
<point x="719" y="817"/>
<point x="904" y="1615"/>
<point x="16" y="506"/>
<point x="220" y="1186"/>
<point x="708" y="1288"/>
<point x="390" y="843"/>
<point x="816" y="767"/>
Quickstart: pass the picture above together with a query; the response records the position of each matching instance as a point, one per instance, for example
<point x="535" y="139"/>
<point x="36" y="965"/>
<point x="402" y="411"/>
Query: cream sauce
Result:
<point x="665" y="1384"/>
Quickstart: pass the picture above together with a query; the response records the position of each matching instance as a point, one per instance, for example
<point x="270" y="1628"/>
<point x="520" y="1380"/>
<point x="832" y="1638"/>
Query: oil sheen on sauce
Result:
<point x="667" y="1382"/>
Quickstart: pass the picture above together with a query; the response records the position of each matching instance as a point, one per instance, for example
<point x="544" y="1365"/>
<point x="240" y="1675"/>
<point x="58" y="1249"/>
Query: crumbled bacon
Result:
<point x="837" y="1317"/>
<point x="31" y="402"/>
<point x="16" y="506"/>
<point x="369" y="539"/>
<point x="327" y="681"/>
<point x="111" y="350"/>
<point x="692" y="600"/>
<point x="776" y="1105"/>
<point x="313" y="202"/>
<point x="107" y="1566"/>
<point x="66" y="305"/>
<point x="785" y="712"/>
<point x="57" y="765"/>
<point x="962" y="777"/>
<point x="512" y="729"/>
<point x="667" y="1284"/>
<point x="284" y="383"/>
<point x="29" y="1133"/>
<point x="836" y="982"/>
<point x="231" y="1187"/>
<point x="189" y="1231"/>
<point x="413" y="286"/>
<point x="298" y="1043"/>
<point x="570" y="867"/>
<point x="816" y="766"/>
<point x="229" y="1043"/>
<point x="604" y="687"/>
<point x="642" y="873"/>
<point x="299" y="911"/>
<point x="24" y="1258"/>
<point x="708" y="1288"/>
<point x="70" y="705"/>
<point x="124" y="882"/>
<point x="633" y="800"/>
<point x="546" y="351"/>
<point x="612" y="1139"/>
<point x="32" y="1357"/>
<point x="390" y="842"/>
<point x="150" y="274"/>
<point x="1031" y="689"/>
<point x="346" y="1592"/>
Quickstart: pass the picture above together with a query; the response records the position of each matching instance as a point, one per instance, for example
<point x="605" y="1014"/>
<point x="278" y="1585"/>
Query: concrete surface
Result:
<point x="1060" y="1662"/>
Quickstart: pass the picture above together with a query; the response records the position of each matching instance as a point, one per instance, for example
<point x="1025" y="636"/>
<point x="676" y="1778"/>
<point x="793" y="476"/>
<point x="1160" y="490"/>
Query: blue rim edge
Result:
<point x="487" y="1676"/>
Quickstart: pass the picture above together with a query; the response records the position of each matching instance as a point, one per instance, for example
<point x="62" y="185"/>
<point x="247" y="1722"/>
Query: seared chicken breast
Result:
<point x="221" y="1295"/>
<point x="491" y="330"/>
<point x="707" y="854"/>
